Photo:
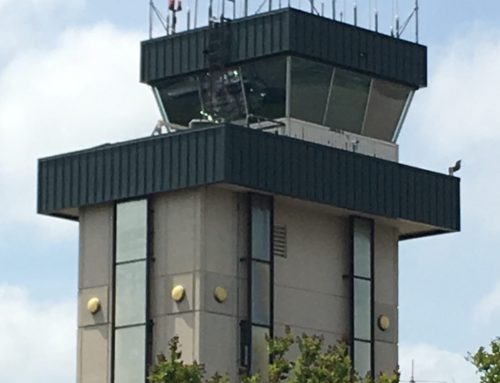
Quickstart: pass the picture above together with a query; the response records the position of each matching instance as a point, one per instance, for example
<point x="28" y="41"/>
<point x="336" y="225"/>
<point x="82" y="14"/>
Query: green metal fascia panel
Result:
<point x="254" y="160"/>
<point x="289" y="31"/>
<point x="130" y="170"/>
<point x="295" y="168"/>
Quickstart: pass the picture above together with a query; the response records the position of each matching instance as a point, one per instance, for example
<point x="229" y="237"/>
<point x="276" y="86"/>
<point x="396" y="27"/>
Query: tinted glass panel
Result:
<point x="362" y="309"/>
<point x="181" y="99"/>
<point x="261" y="293"/>
<point x="131" y="230"/>
<point x="362" y="248"/>
<point x="130" y="351"/>
<point x="347" y="101"/>
<point x="385" y="107"/>
<point x="261" y="227"/>
<point x="265" y="87"/>
<point x="260" y="355"/>
<point x="222" y="95"/>
<point x="362" y="358"/>
<point x="130" y="293"/>
<point x="309" y="92"/>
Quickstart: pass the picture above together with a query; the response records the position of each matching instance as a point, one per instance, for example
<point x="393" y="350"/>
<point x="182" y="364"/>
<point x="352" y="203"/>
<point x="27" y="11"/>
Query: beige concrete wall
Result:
<point x="95" y="280"/>
<point x="200" y="239"/>
<point x="312" y="287"/>
<point x="312" y="291"/>
<point x="386" y="297"/>
<point x="198" y="243"/>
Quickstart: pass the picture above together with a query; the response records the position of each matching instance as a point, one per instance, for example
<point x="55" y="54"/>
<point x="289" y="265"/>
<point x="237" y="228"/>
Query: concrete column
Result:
<point x="386" y="298"/>
<point x="198" y="244"/>
<point x="95" y="280"/>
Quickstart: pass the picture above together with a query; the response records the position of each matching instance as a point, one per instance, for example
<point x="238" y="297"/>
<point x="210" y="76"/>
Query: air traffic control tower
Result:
<point x="275" y="199"/>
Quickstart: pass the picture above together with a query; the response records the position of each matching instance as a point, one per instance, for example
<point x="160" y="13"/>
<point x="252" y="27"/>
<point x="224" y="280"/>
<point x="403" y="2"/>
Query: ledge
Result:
<point x="253" y="160"/>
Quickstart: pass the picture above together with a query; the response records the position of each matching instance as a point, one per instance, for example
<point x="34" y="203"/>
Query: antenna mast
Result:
<point x="417" y="11"/>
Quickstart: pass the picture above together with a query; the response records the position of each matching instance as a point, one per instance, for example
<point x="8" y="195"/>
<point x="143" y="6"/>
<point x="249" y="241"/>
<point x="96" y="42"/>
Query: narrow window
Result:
<point x="362" y="297"/>
<point x="260" y="281"/>
<point x="131" y="237"/>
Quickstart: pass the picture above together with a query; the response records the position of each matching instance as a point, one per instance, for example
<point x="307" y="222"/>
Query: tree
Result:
<point x="174" y="370"/>
<point x="487" y="362"/>
<point x="315" y="364"/>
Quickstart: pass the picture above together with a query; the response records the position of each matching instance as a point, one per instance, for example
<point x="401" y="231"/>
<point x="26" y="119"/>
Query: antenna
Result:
<point x="152" y="12"/>
<point x="195" y="13"/>
<point x="370" y="14"/>
<point x="150" y="19"/>
<point x="355" y="14"/>
<point x="412" y="378"/>
<point x="401" y="29"/>
<point x="417" y="11"/>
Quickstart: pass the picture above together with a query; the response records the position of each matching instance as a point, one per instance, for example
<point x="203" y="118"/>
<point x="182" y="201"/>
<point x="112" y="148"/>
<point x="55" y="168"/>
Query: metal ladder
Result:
<point x="221" y="88"/>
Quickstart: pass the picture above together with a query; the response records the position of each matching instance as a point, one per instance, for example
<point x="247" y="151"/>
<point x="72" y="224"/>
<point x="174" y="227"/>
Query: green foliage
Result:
<point x="174" y="370"/>
<point x="315" y="364"/>
<point x="487" y="362"/>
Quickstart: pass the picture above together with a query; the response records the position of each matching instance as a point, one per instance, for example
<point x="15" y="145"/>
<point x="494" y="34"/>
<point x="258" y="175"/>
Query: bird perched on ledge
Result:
<point x="455" y="168"/>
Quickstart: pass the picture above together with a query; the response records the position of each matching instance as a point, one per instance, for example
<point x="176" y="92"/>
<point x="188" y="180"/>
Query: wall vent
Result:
<point x="279" y="241"/>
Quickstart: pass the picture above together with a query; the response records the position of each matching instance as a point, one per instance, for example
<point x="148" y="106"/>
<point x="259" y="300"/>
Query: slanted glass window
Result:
<point x="181" y="99"/>
<point x="131" y="236"/>
<point x="385" y="109"/>
<point x="347" y="101"/>
<point x="309" y="92"/>
<point x="265" y="87"/>
<point x="362" y="300"/>
<point x="222" y="95"/>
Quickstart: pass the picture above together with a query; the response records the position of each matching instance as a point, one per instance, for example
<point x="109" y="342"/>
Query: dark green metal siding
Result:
<point x="255" y="160"/>
<point x="290" y="31"/>
<point x="286" y="166"/>
<point x="132" y="169"/>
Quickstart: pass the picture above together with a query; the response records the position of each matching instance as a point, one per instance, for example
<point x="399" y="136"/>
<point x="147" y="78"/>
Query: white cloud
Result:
<point x="38" y="339"/>
<point x="433" y="364"/>
<point x="458" y="117"/>
<point x="29" y="22"/>
<point x="83" y="92"/>
<point x="459" y="112"/>
<point x="488" y="308"/>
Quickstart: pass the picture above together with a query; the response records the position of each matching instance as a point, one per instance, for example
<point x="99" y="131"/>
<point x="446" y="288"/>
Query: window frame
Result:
<point x="353" y="277"/>
<point x="248" y="325"/>
<point x="148" y="324"/>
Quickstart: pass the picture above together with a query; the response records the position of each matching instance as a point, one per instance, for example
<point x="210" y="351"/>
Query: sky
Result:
<point x="69" y="74"/>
